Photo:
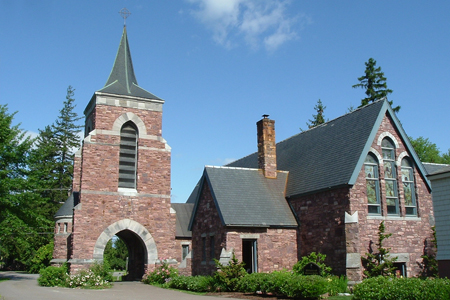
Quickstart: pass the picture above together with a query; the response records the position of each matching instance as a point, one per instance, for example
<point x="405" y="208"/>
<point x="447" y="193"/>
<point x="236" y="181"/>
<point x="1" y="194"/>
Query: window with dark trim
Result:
<point x="390" y="176"/>
<point x="372" y="184"/>
<point x="128" y="156"/>
<point x="409" y="191"/>
<point x="203" y="248"/>
<point x="184" y="251"/>
<point x="211" y="248"/>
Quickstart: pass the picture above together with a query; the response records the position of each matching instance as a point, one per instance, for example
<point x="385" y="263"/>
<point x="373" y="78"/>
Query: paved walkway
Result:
<point x="24" y="286"/>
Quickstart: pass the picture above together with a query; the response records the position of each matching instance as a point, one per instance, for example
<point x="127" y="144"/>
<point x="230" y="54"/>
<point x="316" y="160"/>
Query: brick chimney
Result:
<point x="267" y="151"/>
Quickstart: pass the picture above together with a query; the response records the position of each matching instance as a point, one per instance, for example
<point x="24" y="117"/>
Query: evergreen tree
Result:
<point x="379" y="263"/>
<point x="43" y="175"/>
<point x="116" y="254"/>
<point x="319" y="117"/>
<point x="374" y="82"/>
<point x="21" y="226"/>
<point x="67" y="139"/>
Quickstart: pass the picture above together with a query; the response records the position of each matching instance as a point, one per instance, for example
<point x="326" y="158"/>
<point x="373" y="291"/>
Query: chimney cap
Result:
<point x="265" y="116"/>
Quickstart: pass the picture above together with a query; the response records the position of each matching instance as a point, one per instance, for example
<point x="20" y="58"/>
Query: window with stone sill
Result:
<point x="390" y="176"/>
<point x="372" y="184"/>
<point x="409" y="191"/>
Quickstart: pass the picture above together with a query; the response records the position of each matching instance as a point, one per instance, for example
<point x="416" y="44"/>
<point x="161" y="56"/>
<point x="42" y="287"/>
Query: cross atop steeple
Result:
<point x="125" y="13"/>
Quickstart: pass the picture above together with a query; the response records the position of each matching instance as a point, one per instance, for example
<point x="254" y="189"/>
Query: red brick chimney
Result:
<point x="267" y="151"/>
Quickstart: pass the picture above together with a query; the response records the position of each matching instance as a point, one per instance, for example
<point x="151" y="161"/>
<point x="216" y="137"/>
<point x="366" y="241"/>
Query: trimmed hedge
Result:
<point x="192" y="283"/>
<point x="387" y="288"/>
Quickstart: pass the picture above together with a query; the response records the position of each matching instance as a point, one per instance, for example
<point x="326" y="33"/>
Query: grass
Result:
<point x="3" y="279"/>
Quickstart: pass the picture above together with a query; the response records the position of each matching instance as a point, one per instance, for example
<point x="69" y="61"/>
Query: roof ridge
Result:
<point x="239" y="168"/>
<point x="337" y="118"/>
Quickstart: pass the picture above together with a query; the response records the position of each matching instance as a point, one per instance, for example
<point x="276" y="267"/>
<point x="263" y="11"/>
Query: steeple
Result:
<point x="122" y="80"/>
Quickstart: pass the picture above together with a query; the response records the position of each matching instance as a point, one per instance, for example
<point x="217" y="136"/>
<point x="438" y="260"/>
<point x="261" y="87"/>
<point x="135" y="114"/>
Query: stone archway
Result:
<point x="140" y="243"/>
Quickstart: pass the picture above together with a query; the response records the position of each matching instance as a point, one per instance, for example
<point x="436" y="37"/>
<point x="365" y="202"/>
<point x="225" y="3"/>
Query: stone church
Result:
<point x="325" y="190"/>
<point x="121" y="182"/>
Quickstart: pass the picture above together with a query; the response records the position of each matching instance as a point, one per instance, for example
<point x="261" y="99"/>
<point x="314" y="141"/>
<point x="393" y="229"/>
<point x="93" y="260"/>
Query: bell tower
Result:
<point x="122" y="175"/>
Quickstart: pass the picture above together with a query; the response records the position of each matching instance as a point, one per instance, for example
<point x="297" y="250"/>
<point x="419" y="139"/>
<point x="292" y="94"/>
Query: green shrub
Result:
<point x="298" y="286"/>
<point x="161" y="274"/>
<point x="103" y="270"/>
<point x="191" y="283"/>
<point x="42" y="258"/>
<point x="227" y="276"/>
<point x="53" y="276"/>
<point x="313" y="257"/>
<point x="255" y="282"/>
<point x="402" y="288"/>
<point x="337" y="284"/>
<point x="283" y="283"/>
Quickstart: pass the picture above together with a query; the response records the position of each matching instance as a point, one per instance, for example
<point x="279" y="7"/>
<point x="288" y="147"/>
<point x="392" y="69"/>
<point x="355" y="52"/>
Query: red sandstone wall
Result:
<point x="322" y="225"/>
<point x="102" y="205"/>
<point x="277" y="248"/>
<point x="61" y="240"/>
<point x="409" y="235"/>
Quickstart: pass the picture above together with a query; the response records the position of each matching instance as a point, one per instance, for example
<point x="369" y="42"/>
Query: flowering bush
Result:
<point x="161" y="274"/>
<point x="86" y="279"/>
<point x="96" y="277"/>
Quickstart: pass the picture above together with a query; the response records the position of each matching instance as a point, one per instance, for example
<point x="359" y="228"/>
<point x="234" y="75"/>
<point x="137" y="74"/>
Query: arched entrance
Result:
<point x="140" y="243"/>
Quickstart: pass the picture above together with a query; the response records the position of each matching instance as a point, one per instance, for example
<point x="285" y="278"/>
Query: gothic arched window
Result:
<point x="390" y="176"/>
<point x="372" y="184"/>
<point x="128" y="156"/>
<point x="409" y="191"/>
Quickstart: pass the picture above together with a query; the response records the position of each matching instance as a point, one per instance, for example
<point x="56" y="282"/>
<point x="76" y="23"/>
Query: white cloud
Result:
<point x="256" y="22"/>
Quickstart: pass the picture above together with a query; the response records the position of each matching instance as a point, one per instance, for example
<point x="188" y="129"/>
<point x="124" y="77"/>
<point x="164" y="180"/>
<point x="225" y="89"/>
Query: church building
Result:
<point x="121" y="182"/>
<point x="325" y="190"/>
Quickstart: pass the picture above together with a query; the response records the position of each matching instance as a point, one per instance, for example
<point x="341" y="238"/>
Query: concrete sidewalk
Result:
<point x="24" y="286"/>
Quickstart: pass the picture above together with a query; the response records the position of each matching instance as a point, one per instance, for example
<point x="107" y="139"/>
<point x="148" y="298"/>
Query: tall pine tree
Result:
<point x="67" y="138"/>
<point x="319" y="117"/>
<point x="374" y="82"/>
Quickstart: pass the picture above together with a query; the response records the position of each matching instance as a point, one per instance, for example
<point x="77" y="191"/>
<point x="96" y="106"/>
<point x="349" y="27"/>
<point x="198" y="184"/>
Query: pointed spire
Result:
<point x="122" y="80"/>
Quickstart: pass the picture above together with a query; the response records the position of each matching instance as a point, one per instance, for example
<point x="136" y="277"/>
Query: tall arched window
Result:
<point x="390" y="176"/>
<point x="128" y="156"/>
<point x="372" y="184"/>
<point x="408" y="187"/>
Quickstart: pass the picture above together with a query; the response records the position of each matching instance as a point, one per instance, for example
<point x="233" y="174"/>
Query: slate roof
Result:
<point x="122" y="80"/>
<point x="332" y="154"/>
<point x="66" y="209"/>
<point x="244" y="197"/>
<point x="433" y="168"/>
<point x="183" y="213"/>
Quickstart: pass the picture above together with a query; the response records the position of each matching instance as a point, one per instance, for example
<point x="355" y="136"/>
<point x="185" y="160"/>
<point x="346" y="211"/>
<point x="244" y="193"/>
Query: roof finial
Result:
<point x="124" y="13"/>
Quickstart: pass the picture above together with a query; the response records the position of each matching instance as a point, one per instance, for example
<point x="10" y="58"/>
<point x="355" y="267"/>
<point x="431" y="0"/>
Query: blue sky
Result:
<point x="220" y="65"/>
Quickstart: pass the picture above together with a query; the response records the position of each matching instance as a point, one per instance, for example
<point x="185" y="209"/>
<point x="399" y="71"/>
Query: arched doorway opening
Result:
<point x="141" y="246"/>
<point x="137" y="254"/>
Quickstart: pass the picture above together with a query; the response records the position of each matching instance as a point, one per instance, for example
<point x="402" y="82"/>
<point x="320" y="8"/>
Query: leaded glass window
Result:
<point x="408" y="187"/>
<point x="128" y="156"/>
<point x="390" y="176"/>
<point x="372" y="184"/>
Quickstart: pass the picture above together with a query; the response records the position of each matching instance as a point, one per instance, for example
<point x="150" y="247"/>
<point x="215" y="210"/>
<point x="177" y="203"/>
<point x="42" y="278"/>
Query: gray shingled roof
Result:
<point x="67" y="208"/>
<point x="433" y="168"/>
<point x="244" y="197"/>
<point x="122" y="80"/>
<point x="183" y="213"/>
<point x="332" y="154"/>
